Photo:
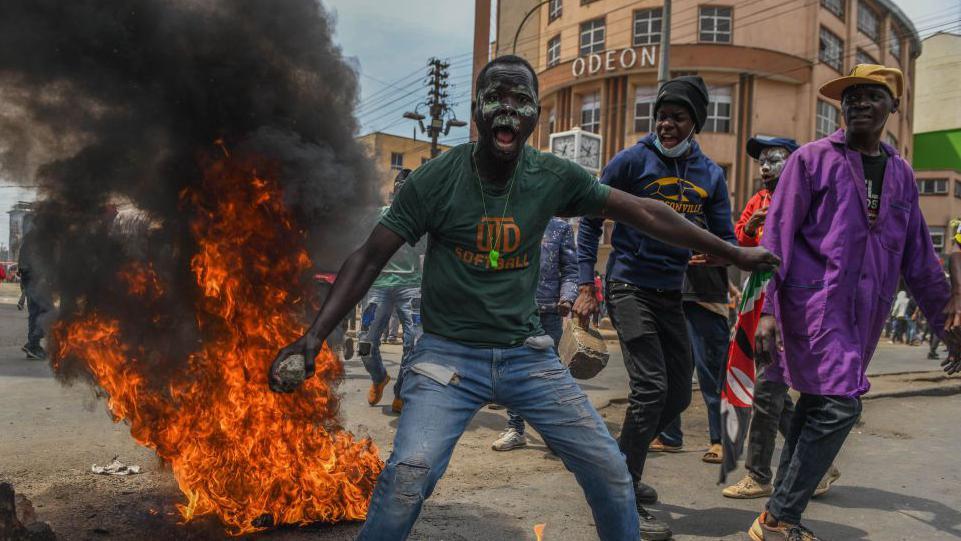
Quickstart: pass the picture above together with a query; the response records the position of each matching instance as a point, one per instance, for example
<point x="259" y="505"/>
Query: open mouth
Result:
<point x="504" y="137"/>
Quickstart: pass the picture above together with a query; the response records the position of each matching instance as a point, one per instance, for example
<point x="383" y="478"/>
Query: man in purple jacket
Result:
<point x="846" y="223"/>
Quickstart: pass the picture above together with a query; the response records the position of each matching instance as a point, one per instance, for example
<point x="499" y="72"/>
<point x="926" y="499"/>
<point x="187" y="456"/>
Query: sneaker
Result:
<point x="376" y="391"/>
<point x="760" y="531"/>
<point x="34" y="352"/>
<point x="658" y="446"/>
<point x="644" y="494"/>
<point x="397" y="405"/>
<point x="829" y="478"/>
<point x="933" y="356"/>
<point x="509" y="439"/>
<point x="748" y="489"/>
<point x="653" y="529"/>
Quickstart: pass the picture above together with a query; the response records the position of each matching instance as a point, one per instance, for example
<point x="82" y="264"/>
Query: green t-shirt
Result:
<point x="463" y="298"/>
<point x="403" y="269"/>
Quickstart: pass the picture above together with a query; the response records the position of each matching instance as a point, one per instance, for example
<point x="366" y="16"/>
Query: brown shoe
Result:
<point x="397" y="405"/>
<point x="760" y="531"/>
<point x="376" y="391"/>
<point x="714" y="454"/>
<point x="747" y="489"/>
<point x="658" y="446"/>
<point x="829" y="478"/>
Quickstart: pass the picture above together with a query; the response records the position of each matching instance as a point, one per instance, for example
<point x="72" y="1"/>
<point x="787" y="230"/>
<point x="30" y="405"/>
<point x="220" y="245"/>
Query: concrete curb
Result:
<point x="927" y="390"/>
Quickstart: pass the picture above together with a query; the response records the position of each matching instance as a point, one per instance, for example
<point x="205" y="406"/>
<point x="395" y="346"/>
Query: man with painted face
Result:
<point x="645" y="274"/>
<point x="773" y="408"/>
<point x="845" y="220"/>
<point x="485" y="206"/>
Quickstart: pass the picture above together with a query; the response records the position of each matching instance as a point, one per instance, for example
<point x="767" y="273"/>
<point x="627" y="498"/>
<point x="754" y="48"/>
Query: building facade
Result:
<point x="391" y="153"/>
<point x="937" y="136"/>
<point x="764" y="60"/>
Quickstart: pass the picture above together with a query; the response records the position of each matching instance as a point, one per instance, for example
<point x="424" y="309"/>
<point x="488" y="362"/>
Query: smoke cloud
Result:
<point x="110" y="106"/>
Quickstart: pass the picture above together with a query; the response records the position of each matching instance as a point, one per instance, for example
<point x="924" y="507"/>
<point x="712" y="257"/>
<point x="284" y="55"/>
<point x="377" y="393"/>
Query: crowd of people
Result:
<point x="836" y="226"/>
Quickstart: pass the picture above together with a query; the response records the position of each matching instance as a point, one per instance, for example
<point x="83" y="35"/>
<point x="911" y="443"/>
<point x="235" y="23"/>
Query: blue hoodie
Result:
<point x="693" y="185"/>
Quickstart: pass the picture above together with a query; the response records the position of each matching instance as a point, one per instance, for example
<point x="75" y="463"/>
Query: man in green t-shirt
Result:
<point x="396" y="290"/>
<point x="484" y="207"/>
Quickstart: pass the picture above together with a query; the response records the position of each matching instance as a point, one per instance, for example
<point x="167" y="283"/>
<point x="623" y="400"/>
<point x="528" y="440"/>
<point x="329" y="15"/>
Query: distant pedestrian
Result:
<point x="36" y="290"/>
<point x="556" y="292"/>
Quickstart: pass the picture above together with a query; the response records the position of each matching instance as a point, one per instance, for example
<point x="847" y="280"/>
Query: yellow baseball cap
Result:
<point x="865" y="74"/>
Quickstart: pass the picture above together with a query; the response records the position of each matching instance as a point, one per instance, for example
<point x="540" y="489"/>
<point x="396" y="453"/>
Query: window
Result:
<point x="592" y="37"/>
<point x="551" y="122"/>
<point x="554" y="10"/>
<point x="647" y="26"/>
<point x="891" y="140"/>
<point x="554" y="51"/>
<point x="867" y="21"/>
<point x="862" y="57"/>
<point x="719" y="111"/>
<point x="937" y="237"/>
<point x="396" y="161"/>
<point x="895" y="44"/>
<point x="644" y="98"/>
<point x="831" y="48"/>
<point x="827" y="120"/>
<point x="715" y="25"/>
<point x="835" y="6"/>
<point x="957" y="189"/>
<point x="591" y="113"/>
<point x="933" y="186"/>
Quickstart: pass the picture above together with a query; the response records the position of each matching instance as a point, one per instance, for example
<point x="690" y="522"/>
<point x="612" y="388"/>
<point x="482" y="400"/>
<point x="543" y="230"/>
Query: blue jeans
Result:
<point x="710" y="335"/>
<point x="447" y="383"/>
<point x="380" y="302"/>
<point x="554" y="327"/>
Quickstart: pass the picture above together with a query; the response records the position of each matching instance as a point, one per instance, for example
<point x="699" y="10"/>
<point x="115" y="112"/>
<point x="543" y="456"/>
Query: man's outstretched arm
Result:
<point x="660" y="221"/>
<point x="353" y="280"/>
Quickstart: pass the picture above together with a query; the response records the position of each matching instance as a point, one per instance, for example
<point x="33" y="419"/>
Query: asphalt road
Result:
<point x="900" y="479"/>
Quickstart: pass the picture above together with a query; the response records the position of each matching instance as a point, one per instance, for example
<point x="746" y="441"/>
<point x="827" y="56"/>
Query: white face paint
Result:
<point x="772" y="162"/>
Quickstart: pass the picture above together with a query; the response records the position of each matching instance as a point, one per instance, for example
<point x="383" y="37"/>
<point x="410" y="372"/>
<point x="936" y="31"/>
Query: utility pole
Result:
<point x="437" y="106"/>
<point x="664" y="70"/>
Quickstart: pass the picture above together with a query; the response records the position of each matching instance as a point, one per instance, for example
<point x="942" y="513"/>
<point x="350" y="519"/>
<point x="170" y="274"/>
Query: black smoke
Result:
<point x="107" y="101"/>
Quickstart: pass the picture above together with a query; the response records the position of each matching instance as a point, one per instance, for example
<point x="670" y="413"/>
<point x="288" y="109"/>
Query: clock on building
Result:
<point x="581" y="147"/>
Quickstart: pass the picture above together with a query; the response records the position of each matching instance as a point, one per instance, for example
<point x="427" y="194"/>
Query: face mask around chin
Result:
<point x="678" y="150"/>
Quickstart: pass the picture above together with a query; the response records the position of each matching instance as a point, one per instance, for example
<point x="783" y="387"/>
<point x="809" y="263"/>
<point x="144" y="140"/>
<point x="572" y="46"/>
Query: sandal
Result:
<point x="714" y="454"/>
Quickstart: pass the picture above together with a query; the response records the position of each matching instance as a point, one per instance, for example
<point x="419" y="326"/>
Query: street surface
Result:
<point x="900" y="478"/>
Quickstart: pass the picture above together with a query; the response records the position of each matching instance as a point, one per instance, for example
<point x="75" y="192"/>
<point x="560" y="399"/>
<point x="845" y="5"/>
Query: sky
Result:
<point x="391" y="42"/>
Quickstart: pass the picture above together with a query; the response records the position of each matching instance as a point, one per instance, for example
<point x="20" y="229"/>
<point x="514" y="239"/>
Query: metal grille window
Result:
<point x="715" y="25"/>
<point x="834" y="6"/>
<point x="868" y="21"/>
<point x="719" y="111"/>
<point x="831" y="49"/>
<point x="396" y="161"/>
<point x="895" y="44"/>
<point x="827" y="120"/>
<point x="933" y="186"/>
<point x="591" y="113"/>
<point x="554" y="10"/>
<point x="644" y="98"/>
<point x="551" y="122"/>
<point x="554" y="51"/>
<point x="592" y="37"/>
<point x="647" y="26"/>
<point x="957" y="189"/>
<point x="937" y="237"/>
<point x="862" y="57"/>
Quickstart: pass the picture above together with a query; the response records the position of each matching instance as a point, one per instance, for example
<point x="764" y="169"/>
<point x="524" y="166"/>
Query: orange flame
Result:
<point x="251" y="457"/>
<point x="539" y="531"/>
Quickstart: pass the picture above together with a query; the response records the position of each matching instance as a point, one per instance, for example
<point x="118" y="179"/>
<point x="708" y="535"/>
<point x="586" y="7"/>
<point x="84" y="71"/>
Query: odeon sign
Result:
<point x="625" y="59"/>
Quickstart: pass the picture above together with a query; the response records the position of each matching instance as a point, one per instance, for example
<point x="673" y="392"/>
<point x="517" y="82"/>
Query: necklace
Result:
<point x="493" y="256"/>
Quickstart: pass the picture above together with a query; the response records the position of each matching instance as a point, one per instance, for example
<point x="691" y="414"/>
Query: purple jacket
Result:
<point x="838" y="274"/>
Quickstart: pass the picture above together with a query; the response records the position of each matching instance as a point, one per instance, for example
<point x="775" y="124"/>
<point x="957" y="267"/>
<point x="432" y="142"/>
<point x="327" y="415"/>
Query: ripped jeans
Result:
<point x="447" y="383"/>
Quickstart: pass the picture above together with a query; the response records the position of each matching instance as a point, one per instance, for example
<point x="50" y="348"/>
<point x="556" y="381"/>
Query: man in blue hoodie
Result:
<point x="645" y="275"/>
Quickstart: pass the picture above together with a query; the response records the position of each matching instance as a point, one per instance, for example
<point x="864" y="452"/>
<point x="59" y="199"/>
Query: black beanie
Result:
<point x="689" y="91"/>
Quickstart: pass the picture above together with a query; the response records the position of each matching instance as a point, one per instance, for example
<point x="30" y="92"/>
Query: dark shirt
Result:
<point x="705" y="284"/>
<point x="874" y="180"/>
